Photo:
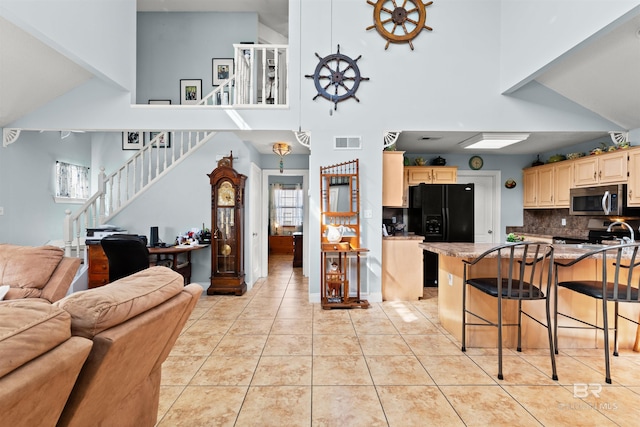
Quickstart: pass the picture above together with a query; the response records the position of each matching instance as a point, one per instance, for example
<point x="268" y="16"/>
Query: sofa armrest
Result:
<point x="60" y="281"/>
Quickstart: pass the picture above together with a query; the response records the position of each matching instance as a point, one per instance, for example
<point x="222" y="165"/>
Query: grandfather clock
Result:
<point x="227" y="229"/>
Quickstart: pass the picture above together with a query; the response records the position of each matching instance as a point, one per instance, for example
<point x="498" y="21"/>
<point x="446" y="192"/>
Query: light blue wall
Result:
<point x="181" y="45"/>
<point x="27" y="185"/>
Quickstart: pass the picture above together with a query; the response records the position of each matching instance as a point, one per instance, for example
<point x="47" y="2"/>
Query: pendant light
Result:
<point x="281" y="149"/>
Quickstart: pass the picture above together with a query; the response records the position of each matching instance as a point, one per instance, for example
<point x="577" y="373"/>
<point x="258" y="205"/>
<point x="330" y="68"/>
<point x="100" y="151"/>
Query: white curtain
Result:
<point x="72" y="181"/>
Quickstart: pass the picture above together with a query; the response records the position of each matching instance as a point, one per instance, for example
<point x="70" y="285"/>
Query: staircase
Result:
<point x="259" y="80"/>
<point x="115" y="191"/>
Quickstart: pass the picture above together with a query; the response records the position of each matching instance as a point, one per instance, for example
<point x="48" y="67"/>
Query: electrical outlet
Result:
<point x="1" y="211"/>
<point x="368" y="213"/>
<point x="563" y="221"/>
<point x="450" y="277"/>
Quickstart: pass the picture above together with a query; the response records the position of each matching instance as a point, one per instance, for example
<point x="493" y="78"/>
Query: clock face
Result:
<point x="475" y="162"/>
<point x="226" y="194"/>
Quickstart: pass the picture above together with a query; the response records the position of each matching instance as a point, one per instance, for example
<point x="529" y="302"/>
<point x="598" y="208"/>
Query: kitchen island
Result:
<point x="450" y="276"/>
<point x="402" y="273"/>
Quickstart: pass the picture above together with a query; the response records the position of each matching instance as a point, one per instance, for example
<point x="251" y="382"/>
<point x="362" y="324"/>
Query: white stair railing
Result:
<point x="260" y="78"/>
<point x="115" y="191"/>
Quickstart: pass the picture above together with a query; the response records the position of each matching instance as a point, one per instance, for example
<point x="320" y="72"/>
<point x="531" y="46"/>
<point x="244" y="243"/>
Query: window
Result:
<point x="288" y="206"/>
<point x="72" y="183"/>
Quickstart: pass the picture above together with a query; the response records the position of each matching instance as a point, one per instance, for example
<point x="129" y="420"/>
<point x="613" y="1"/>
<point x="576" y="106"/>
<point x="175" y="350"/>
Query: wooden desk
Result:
<point x="176" y="257"/>
<point x="172" y="255"/>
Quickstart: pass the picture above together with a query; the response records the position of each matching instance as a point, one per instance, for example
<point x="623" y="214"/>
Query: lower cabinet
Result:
<point x="297" y="249"/>
<point x="402" y="269"/>
<point x="281" y="245"/>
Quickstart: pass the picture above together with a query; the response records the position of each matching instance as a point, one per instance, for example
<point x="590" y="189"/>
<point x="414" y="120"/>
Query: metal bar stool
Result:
<point x="609" y="286"/>
<point x="533" y="258"/>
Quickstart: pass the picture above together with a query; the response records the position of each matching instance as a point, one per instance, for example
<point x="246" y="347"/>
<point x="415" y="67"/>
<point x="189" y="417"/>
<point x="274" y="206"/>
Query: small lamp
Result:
<point x="281" y="149"/>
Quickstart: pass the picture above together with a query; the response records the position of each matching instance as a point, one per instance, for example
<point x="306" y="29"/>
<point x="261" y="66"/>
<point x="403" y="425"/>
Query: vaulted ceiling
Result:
<point x="602" y="76"/>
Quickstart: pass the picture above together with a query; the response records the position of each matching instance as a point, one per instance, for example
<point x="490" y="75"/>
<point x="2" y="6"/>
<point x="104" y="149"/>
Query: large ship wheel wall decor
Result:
<point x="337" y="77"/>
<point x="398" y="24"/>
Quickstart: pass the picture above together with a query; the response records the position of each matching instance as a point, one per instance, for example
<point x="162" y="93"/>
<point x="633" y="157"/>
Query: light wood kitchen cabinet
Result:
<point x="607" y="168"/>
<point x="431" y="174"/>
<point x="633" y="181"/>
<point x="393" y="183"/>
<point x="402" y="269"/>
<point x="547" y="186"/>
<point x="563" y="177"/>
<point x="530" y="188"/>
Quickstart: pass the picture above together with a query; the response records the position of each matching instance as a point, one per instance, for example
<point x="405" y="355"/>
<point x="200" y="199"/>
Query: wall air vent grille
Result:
<point x="347" y="143"/>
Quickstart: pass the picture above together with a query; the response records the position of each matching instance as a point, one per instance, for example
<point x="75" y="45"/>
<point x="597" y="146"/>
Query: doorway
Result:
<point x="486" y="206"/>
<point x="267" y="227"/>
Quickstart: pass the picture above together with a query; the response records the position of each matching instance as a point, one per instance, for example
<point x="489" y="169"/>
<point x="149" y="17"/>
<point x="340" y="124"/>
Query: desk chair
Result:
<point x="126" y="253"/>
<point x="536" y="259"/>
<point x="609" y="285"/>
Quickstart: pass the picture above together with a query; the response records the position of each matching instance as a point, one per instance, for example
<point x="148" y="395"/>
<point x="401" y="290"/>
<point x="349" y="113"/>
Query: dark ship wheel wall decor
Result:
<point x="398" y="23"/>
<point x="337" y="77"/>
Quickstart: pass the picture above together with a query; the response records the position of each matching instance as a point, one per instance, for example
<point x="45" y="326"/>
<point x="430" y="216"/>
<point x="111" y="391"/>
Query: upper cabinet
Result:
<point x="547" y="186"/>
<point x="394" y="192"/>
<point x="431" y="174"/>
<point x="609" y="168"/>
<point x="633" y="182"/>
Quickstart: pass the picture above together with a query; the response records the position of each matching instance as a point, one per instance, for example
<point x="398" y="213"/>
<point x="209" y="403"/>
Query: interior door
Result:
<point x="486" y="203"/>
<point x="255" y="195"/>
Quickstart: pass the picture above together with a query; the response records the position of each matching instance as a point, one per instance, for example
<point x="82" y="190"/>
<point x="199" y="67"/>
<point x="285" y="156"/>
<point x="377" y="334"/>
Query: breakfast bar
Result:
<point x="450" y="278"/>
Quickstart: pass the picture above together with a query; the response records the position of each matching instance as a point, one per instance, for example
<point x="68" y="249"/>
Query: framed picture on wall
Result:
<point x="163" y="141"/>
<point x="132" y="140"/>
<point x="160" y="102"/>
<point x="222" y="70"/>
<point x="190" y="91"/>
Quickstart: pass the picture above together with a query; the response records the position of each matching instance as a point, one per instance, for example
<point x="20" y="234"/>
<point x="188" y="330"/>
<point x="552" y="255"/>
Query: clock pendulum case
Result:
<point x="227" y="224"/>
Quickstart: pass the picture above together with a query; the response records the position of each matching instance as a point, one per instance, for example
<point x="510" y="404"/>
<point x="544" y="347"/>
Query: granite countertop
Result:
<point x="409" y="236"/>
<point x="473" y="250"/>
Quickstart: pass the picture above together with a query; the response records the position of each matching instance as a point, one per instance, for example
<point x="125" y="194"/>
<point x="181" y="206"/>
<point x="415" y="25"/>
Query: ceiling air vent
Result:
<point x="347" y="143"/>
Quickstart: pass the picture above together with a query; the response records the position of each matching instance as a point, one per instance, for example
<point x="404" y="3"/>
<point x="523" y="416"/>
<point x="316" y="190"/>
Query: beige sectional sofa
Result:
<point x="36" y="272"/>
<point x="95" y="356"/>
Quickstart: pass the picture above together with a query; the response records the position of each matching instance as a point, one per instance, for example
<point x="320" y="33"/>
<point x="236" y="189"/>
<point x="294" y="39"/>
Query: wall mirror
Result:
<point x="340" y="203"/>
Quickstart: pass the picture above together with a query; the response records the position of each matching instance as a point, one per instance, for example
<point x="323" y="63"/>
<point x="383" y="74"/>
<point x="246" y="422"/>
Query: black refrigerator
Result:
<point x="440" y="213"/>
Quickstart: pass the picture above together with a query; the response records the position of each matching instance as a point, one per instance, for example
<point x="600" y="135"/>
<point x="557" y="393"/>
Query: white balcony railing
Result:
<point x="260" y="78"/>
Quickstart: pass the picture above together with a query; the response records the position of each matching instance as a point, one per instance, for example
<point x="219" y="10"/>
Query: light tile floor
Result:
<point x="271" y="358"/>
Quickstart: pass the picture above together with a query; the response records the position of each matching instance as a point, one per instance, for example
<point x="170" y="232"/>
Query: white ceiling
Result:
<point x="603" y="76"/>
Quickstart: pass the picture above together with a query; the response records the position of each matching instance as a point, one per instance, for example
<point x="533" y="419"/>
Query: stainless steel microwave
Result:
<point x="608" y="200"/>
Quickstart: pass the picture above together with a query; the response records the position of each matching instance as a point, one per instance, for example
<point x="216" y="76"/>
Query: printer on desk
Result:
<point x="103" y="231"/>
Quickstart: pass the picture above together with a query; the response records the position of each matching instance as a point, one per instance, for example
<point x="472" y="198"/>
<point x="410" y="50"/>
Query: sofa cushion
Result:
<point x="97" y="309"/>
<point x="27" y="269"/>
<point x="28" y="329"/>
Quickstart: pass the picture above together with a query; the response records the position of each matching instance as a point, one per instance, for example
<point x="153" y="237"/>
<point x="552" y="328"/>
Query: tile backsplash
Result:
<point x="549" y="222"/>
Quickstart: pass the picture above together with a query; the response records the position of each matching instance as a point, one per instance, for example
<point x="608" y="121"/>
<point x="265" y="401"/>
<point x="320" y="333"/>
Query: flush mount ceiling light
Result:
<point x="493" y="141"/>
<point x="281" y="149"/>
